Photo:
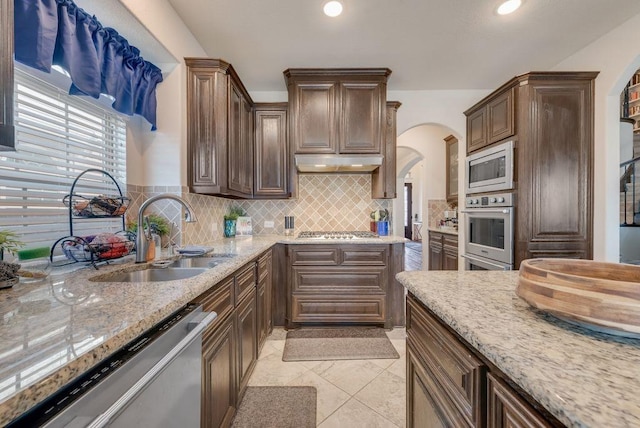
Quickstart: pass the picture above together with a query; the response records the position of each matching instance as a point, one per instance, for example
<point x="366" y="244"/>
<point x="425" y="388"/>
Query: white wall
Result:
<point x="159" y="158"/>
<point x="616" y="55"/>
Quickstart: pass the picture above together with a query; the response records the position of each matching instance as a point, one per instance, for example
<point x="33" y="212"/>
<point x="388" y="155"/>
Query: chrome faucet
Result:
<point x="142" y="239"/>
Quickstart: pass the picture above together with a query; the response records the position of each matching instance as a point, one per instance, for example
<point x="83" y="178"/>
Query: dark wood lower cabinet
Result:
<point x="218" y="373"/>
<point x="344" y="284"/>
<point x="450" y="384"/>
<point x="443" y="251"/>
<point x="247" y="340"/>
<point x="230" y="343"/>
<point x="264" y="295"/>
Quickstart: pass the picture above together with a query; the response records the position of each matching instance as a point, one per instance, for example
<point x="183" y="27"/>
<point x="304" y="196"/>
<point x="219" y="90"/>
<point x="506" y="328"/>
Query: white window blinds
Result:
<point x="58" y="137"/>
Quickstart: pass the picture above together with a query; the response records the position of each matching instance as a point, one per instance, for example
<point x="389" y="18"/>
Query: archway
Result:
<point x="421" y="151"/>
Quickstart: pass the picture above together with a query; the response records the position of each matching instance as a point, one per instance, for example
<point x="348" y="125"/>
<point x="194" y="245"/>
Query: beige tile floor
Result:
<point x="351" y="393"/>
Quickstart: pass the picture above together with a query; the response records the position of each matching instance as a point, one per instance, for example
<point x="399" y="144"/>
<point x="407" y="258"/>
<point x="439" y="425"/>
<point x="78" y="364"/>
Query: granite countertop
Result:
<point x="53" y="331"/>
<point x="448" y="230"/>
<point x="583" y="378"/>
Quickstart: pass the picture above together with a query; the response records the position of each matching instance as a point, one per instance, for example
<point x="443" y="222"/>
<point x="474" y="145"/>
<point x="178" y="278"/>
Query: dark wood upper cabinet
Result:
<point x="337" y="110"/>
<point x="313" y="111"/>
<point x="363" y="118"/>
<point x="7" y="131"/>
<point x="476" y="130"/>
<point x="220" y="130"/>
<point x="383" y="179"/>
<point x="491" y="120"/>
<point x="270" y="151"/>
<point x="452" y="169"/>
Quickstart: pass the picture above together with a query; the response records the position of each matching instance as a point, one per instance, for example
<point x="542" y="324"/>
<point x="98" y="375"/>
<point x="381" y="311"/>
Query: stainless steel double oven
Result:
<point x="489" y="209"/>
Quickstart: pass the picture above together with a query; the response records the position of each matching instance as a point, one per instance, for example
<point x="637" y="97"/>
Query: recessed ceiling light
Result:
<point x="509" y="6"/>
<point x="332" y="8"/>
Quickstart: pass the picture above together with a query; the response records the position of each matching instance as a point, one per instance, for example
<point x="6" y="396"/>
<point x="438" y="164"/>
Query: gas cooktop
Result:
<point x="358" y="234"/>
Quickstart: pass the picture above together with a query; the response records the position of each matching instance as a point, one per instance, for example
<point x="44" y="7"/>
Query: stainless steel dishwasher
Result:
<point x="154" y="381"/>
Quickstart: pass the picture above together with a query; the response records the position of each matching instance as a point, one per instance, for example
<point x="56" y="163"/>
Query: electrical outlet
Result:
<point x="214" y="227"/>
<point x="268" y="224"/>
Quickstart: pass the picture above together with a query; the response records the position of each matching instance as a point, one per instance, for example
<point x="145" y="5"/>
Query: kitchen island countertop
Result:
<point x="52" y="332"/>
<point x="583" y="378"/>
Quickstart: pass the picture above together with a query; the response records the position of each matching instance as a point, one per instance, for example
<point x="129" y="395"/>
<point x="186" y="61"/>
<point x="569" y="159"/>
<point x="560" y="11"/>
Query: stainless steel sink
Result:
<point x="152" y="275"/>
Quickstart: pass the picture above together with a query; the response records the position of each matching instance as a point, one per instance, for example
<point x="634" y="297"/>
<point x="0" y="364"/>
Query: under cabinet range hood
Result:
<point x="337" y="163"/>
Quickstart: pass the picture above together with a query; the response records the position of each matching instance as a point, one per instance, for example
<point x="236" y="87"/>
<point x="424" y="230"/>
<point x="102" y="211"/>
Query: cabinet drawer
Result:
<point x="369" y="256"/>
<point x="311" y="279"/>
<point x="450" y="240"/>
<point x="436" y="237"/>
<point x="459" y="372"/>
<point x="315" y="255"/>
<point x="334" y="309"/>
<point x="245" y="281"/>
<point x="219" y="300"/>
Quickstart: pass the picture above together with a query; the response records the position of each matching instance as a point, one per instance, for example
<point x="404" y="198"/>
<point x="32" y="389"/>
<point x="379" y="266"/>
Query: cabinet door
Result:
<point x="219" y="374"/>
<point x="435" y="251"/>
<point x="452" y="169"/>
<point x="450" y="258"/>
<point x="362" y="120"/>
<point x="500" y="113"/>
<point x="556" y="213"/>
<point x="247" y="340"/>
<point x="427" y="404"/>
<point x="261" y="308"/>
<point x="508" y="410"/>
<point x="271" y="152"/>
<point x="246" y="162"/>
<point x="206" y="129"/>
<point x="383" y="179"/>
<point x="7" y="131"/>
<point x="450" y="252"/>
<point x="476" y="130"/>
<point x="240" y="143"/>
<point x="313" y="106"/>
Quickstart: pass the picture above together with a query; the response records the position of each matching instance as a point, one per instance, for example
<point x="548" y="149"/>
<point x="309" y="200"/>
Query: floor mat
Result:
<point x="315" y="344"/>
<point x="277" y="407"/>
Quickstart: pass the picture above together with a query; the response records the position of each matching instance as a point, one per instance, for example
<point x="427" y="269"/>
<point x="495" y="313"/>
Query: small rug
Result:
<point x="277" y="407"/>
<point x="320" y="344"/>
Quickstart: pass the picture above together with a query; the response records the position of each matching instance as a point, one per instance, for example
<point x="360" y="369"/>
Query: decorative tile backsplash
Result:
<point x="325" y="202"/>
<point x="436" y="208"/>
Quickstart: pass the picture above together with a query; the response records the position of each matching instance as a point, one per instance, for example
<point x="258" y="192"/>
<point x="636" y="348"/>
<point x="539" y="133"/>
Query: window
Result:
<point x="57" y="137"/>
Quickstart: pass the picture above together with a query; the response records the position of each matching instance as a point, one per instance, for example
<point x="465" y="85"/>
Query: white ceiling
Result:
<point x="429" y="44"/>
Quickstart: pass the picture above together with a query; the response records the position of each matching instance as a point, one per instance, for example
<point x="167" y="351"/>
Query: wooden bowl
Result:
<point x="596" y="295"/>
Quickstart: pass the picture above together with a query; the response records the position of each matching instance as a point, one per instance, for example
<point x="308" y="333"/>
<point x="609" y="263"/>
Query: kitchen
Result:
<point x="161" y="162"/>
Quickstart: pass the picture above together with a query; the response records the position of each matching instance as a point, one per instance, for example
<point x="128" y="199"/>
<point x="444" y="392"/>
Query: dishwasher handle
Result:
<point x="196" y="329"/>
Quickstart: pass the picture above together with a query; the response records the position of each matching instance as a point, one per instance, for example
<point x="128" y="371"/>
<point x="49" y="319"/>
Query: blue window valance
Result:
<point x="98" y="59"/>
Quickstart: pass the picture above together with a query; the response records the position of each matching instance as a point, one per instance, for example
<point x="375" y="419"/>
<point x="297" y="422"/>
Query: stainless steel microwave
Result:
<point x="490" y="169"/>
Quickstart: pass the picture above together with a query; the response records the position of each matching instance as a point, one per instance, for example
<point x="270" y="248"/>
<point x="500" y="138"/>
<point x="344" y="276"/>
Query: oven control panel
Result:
<point x="494" y="200"/>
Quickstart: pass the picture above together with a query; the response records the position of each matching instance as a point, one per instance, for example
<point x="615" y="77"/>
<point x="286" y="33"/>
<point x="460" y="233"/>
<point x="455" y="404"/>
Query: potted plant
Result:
<point x="10" y="243"/>
<point x="230" y="221"/>
<point x="159" y="227"/>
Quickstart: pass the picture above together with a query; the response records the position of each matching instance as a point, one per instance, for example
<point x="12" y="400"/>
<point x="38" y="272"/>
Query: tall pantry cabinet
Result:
<point x="549" y="115"/>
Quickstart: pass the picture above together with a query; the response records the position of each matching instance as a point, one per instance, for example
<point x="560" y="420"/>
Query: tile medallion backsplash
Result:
<point x="325" y="202"/>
